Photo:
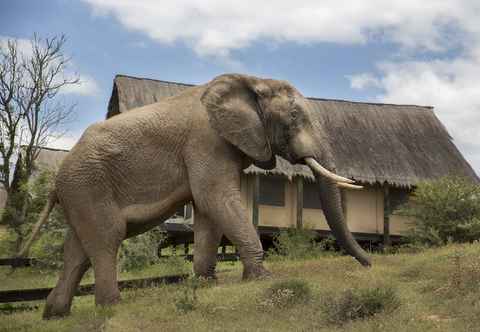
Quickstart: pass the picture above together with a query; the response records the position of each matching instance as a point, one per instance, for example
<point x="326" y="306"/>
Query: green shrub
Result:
<point x="463" y="275"/>
<point x="296" y="243"/>
<point x="356" y="304"/>
<point x="444" y="210"/>
<point x="49" y="247"/>
<point x="140" y="251"/>
<point x="188" y="300"/>
<point x="286" y="293"/>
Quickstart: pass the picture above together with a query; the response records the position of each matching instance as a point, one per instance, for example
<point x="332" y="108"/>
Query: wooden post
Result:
<point x="386" y="216"/>
<point x="256" y="195"/>
<point x="299" y="193"/>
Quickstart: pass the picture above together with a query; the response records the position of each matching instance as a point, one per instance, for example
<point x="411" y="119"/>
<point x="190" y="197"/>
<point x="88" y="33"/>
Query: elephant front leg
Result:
<point x="227" y="209"/>
<point x="206" y="239"/>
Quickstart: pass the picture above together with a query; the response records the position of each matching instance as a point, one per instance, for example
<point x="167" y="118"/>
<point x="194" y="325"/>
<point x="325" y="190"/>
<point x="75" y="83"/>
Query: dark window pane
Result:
<point x="311" y="199"/>
<point x="188" y="211"/>
<point x="272" y="191"/>
<point x="398" y="197"/>
<point x="180" y="211"/>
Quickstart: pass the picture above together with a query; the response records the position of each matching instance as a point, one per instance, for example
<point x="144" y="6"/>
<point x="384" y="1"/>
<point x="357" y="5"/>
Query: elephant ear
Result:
<point x="233" y="103"/>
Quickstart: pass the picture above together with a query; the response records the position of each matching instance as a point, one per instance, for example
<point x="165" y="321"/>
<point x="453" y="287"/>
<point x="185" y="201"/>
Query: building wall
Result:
<point x="399" y="224"/>
<point x="364" y="210"/>
<point x="279" y="216"/>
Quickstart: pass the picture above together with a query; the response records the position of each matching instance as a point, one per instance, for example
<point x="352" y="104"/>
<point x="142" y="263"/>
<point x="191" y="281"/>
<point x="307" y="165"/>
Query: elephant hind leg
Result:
<point x="76" y="263"/>
<point x="207" y="237"/>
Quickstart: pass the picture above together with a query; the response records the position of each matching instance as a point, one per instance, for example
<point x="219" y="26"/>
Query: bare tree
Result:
<point x="11" y="74"/>
<point x="30" y="113"/>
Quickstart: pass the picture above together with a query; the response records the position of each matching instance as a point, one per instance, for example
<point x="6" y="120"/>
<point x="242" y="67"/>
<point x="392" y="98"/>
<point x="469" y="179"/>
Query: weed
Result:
<point x="354" y="304"/>
<point x="464" y="275"/>
<point x="188" y="300"/>
<point x="284" y="294"/>
<point x="296" y="243"/>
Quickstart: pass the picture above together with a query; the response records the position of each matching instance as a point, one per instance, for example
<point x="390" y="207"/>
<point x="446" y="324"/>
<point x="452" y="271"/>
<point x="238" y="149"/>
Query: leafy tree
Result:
<point x="49" y="247"/>
<point x="444" y="210"/>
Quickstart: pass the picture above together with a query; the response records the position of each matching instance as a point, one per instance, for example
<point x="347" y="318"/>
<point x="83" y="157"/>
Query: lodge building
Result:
<point x="385" y="147"/>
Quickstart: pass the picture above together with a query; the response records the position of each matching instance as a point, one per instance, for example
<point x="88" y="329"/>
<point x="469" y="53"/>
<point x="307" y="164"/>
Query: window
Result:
<point x="185" y="211"/>
<point x="180" y="212"/>
<point x="311" y="199"/>
<point x="272" y="191"/>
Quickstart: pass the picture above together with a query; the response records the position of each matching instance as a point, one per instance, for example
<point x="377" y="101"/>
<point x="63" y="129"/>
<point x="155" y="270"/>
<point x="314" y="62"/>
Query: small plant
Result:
<point x="360" y="304"/>
<point x="295" y="243"/>
<point x="141" y="251"/>
<point x="445" y="210"/>
<point x="33" y="195"/>
<point x="188" y="300"/>
<point x="284" y="294"/>
<point x="464" y="275"/>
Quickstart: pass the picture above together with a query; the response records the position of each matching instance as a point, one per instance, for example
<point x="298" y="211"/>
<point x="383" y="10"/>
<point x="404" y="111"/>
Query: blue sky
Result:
<point x="424" y="53"/>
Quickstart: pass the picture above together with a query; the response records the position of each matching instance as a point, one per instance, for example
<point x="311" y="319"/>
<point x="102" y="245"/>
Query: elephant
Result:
<point x="131" y="172"/>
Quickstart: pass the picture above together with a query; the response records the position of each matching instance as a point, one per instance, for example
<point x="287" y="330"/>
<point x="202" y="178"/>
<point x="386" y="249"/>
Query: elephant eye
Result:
<point x="294" y="114"/>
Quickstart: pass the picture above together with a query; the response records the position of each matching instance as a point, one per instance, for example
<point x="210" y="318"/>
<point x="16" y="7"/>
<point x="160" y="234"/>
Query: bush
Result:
<point x="188" y="301"/>
<point x="140" y="251"/>
<point x="444" y="210"/>
<point x="284" y="294"/>
<point x="463" y="276"/>
<point x="300" y="244"/>
<point x="49" y="247"/>
<point x="356" y="304"/>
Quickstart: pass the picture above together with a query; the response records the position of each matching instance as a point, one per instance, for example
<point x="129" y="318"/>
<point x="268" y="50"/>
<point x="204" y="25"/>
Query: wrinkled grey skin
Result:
<point x="128" y="173"/>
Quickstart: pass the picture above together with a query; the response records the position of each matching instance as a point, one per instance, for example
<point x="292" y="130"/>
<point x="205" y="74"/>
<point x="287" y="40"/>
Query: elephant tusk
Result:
<point x="325" y="172"/>
<point x="348" y="186"/>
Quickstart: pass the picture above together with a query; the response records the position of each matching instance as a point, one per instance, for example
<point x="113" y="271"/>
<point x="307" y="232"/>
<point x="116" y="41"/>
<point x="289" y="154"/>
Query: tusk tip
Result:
<point x="348" y="186"/>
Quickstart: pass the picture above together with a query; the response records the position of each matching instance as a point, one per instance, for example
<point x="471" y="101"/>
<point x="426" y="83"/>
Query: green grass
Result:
<point x="437" y="290"/>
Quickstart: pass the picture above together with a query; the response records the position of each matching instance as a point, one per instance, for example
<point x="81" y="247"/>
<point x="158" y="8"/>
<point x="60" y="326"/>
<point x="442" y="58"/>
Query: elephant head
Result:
<point x="264" y="118"/>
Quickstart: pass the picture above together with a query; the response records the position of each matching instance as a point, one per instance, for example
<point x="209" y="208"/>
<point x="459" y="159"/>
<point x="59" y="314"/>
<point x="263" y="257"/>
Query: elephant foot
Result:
<point x="106" y="301"/>
<point x="255" y="272"/>
<point x="207" y="277"/>
<point x="55" y="309"/>
<point x="207" y="273"/>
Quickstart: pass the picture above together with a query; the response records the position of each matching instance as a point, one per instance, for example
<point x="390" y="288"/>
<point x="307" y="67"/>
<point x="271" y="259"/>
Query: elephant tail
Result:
<point x="52" y="200"/>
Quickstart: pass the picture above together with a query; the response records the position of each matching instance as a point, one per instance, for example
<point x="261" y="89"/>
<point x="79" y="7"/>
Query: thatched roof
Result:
<point x="371" y="142"/>
<point x="49" y="158"/>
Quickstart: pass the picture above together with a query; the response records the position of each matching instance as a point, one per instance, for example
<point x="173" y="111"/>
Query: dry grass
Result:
<point x="437" y="289"/>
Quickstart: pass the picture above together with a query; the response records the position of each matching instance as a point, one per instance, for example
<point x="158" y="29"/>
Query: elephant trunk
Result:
<point x="332" y="208"/>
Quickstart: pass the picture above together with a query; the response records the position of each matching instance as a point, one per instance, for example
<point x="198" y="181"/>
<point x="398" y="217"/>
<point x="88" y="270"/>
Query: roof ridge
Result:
<point x="46" y="148"/>
<point x="311" y="98"/>
<point x="152" y="79"/>
<point x="370" y="103"/>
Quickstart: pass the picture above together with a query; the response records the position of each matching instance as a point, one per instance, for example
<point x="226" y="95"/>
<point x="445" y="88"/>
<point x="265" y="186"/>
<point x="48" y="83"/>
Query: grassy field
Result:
<point x="438" y="290"/>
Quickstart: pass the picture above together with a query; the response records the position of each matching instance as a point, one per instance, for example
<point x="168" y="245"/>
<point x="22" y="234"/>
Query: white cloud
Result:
<point x="87" y="86"/>
<point x="64" y="142"/>
<point x="451" y="86"/>
<point x="24" y="46"/>
<point x="216" y="27"/>
<point x="444" y="28"/>
<point x="364" y="80"/>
